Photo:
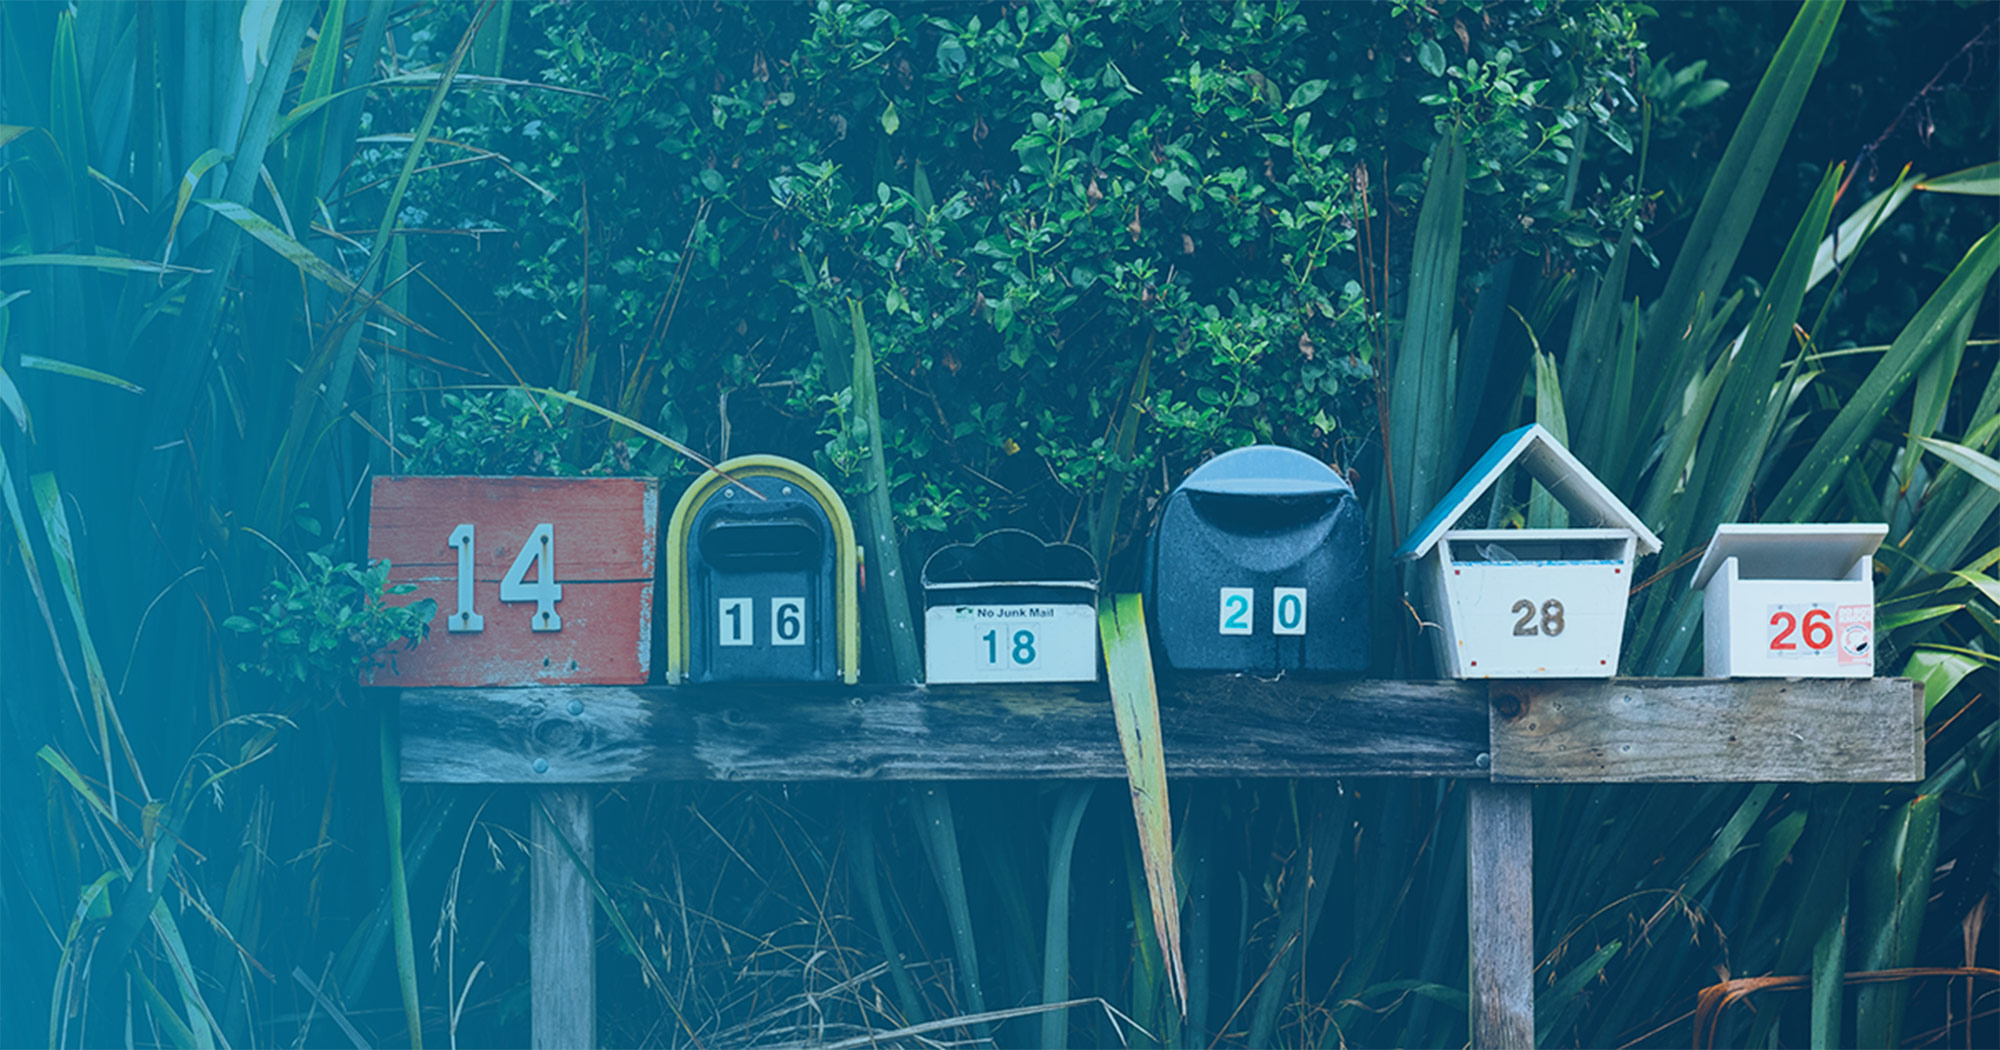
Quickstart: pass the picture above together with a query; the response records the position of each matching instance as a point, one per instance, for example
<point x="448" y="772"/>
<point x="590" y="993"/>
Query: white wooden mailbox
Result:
<point x="1789" y="601"/>
<point x="1528" y="603"/>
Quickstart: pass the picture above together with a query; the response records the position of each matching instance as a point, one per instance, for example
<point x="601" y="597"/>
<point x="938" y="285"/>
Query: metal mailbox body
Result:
<point x="1528" y="603"/>
<point x="538" y="581"/>
<point x="1260" y="564"/>
<point x="762" y="578"/>
<point x="1010" y="608"/>
<point x="1789" y="601"/>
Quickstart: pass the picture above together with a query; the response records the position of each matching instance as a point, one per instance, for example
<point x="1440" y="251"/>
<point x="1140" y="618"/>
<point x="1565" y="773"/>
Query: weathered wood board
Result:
<point x="1220" y="726"/>
<point x="1214" y="726"/>
<point x="1698" y="729"/>
<point x="1500" y="913"/>
<point x="604" y="534"/>
<point x="562" y="957"/>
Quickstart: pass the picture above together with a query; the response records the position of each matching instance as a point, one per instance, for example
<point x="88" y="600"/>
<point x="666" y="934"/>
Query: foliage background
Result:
<point x="645" y="204"/>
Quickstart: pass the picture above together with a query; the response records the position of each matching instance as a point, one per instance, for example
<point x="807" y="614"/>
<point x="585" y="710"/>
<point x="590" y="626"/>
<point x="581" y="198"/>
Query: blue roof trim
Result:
<point x="1470" y="487"/>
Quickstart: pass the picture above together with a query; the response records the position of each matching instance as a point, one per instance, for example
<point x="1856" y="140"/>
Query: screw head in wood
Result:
<point x="1484" y="761"/>
<point x="541" y="765"/>
<point x="576" y="707"/>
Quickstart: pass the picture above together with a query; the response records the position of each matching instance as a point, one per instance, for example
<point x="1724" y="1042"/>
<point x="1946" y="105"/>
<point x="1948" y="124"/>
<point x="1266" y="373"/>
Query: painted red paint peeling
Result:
<point x="606" y="533"/>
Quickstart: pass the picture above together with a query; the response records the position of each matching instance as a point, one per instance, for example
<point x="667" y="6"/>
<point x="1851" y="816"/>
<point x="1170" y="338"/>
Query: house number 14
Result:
<point x="545" y="592"/>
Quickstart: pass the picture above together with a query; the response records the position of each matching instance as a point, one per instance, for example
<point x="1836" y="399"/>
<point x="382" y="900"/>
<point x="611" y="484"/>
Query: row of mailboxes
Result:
<point x="1779" y="600"/>
<point x="1259" y="564"/>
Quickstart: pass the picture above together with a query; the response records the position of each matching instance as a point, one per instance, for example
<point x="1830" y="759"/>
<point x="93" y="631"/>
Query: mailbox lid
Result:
<point x="1266" y="470"/>
<point x="1789" y="552"/>
<point x="1009" y="565"/>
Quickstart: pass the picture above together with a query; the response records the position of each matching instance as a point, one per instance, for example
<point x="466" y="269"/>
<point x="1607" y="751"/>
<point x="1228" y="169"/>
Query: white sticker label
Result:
<point x="1855" y="625"/>
<point x="1238" y="611"/>
<point x="735" y="626"/>
<point x="788" y="621"/>
<point x="1023" y="643"/>
<point x="1288" y="610"/>
<point x="1801" y="631"/>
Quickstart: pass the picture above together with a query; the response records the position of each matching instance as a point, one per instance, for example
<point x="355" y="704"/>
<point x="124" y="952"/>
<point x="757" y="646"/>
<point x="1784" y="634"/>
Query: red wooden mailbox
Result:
<point x="538" y="581"/>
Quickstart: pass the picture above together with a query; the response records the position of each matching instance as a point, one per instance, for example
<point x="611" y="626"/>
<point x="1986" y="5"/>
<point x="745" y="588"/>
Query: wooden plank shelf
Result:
<point x="1579" y="730"/>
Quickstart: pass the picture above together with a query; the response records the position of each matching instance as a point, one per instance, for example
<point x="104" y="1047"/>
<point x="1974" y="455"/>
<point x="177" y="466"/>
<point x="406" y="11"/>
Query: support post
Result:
<point x="562" y="957"/>
<point x="1500" y="914"/>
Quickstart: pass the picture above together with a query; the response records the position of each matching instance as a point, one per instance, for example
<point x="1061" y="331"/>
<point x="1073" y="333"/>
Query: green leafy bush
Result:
<point x="1027" y="201"/>
<point x="504" y="432"/>
<point x="327" y="624"/>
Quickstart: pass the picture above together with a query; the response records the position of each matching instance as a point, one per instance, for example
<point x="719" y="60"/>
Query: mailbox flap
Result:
<point x="1266" y="470"/>
<point x="1789" y="552"/>
<point x="1010" y="556"/>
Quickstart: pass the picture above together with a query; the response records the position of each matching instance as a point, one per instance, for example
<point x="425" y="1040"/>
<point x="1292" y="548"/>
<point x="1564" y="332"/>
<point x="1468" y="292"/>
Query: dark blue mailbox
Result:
<point x="1260" y="564"/>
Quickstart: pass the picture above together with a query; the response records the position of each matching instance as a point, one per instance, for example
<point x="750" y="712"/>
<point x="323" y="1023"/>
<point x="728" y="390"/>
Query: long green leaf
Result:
<point x="940" y="832"/>
<point x="1980" y="466"/>
<point x="1983" y="181"/>
<point x="189" y="180"/>
<point x="64" y="368"/>
<point x="1829" y="979"/>
<point x="885" y="549"/>
<point x="1735" y="193"/>
<point x="1813" y="482"/>
<point x="1895" y="887"/>
<point x="1421" y="414"/>
<point x="399" y="893"/>
<point x="93" y="262"/>
<point x="1135" y="704"/>
<point x="1070" y="806"/>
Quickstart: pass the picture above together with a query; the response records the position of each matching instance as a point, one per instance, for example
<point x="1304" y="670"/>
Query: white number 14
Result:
<point x="545" y="592"/>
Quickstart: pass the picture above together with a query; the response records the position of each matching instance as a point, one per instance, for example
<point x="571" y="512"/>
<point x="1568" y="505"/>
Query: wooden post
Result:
<point x="562" y="942"/>
<point x="1500" y="914"/>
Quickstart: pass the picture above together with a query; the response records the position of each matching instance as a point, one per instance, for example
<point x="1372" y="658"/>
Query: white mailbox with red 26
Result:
<point x="1789" y="601"/>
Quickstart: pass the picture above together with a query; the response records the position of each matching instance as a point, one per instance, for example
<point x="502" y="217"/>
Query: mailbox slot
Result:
<point x="1260" y="564"/>
<point x="762" y="546"/>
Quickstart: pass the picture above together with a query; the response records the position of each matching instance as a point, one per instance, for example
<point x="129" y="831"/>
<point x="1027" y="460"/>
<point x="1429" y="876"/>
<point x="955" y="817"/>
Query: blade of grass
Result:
<point x="941" y="839"/>
<point x="1735" y="192"/>
<point x="64" y="368"/>
<point x="1982" y="180"/>
<point x="1829" y="975"/>
<point x="1070" y="806"/>
<point x="884" y="548"/>
<point x="1895" y="887"/>
<point x="399" y="892"/>
<point x="1812" y="484"/>
<point x="863" y="862"/>
<point x="1128" y="666"/>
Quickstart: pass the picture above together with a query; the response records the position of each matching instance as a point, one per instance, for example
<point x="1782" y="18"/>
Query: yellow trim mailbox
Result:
<point x="1528" y="603"/>
<point x="763" y="577"/>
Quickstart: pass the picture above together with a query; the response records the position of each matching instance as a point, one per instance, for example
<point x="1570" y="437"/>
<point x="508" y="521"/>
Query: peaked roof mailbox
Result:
<point x="1010" y="608"/>
<point x="1528" y="603"/>
<point x="1789" y="601"/>
<point x="1260" y="564"/>
<point x="762" y="578"/>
